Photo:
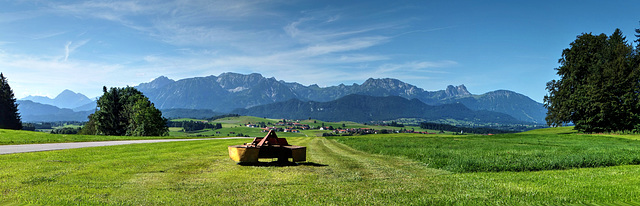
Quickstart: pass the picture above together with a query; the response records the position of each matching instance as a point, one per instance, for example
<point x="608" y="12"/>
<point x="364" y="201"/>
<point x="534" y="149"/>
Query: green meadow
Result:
<point x="389" y="169"/>
<point x="237" y="126"/>
<point x="12" y="137"/>
<point x="532" y="151"/>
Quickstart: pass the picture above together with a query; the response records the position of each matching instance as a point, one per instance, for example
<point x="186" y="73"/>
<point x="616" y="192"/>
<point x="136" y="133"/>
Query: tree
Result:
<point x="90" y="127"/>
<point x="127" y="112"/>
<point x="109" y="120"/>
<point x="598" y="86"/>
<point x="145" y="119"/>
<point x="9" y="115"/>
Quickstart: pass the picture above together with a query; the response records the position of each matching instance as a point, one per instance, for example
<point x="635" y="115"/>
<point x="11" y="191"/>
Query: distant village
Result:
<point x="296" y="127"/>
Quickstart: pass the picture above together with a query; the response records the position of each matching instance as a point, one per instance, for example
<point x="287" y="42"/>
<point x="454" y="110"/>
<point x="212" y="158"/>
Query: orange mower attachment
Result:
<point x="269" y="146"/>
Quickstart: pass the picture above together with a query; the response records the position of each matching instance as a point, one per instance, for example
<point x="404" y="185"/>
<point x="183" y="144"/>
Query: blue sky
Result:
<point x="49" y="46"/>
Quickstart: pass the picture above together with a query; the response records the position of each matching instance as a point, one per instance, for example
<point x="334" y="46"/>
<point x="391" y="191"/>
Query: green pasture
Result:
<point x="201" y="173"/>
<point x="12" y="137"/>
<point x="242" y="120"/>
<point x="505" y="152"/>
<point x="227" y="132"/>
<point x="237" y="126"/>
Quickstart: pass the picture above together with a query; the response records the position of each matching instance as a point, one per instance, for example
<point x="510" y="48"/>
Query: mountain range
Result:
<point x="37" y="112"/>
<point x="67" y="99"/>
<point x="363" y="108"/>
<point x="232" y="92"/>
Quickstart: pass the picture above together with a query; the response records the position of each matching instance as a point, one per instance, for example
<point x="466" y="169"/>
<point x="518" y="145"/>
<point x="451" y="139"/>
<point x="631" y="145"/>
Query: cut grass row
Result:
<point x="13" y="137"/>
<point x="200" y="173"/>
<point x="505" y="152"/>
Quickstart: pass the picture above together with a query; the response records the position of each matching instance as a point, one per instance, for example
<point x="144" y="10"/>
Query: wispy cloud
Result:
<point x="7" y="17"/>
<point x="206" y="37"/>
<point x="48" y="35"/>
<point x="414" y="69"/>
<point x="70" y="47"/>
<point x="310" y="30"/>
<point x="333" y="18"/>
<point x="416" y="66"/>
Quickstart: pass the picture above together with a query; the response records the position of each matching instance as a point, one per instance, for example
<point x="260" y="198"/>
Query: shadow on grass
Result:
<point x="280" y="164"/>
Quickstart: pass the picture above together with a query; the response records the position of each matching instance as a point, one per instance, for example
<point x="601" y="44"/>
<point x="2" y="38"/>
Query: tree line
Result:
<point x="599" y="85"/>
<point x="446" y="127"/>
<point x="190" y="126"/>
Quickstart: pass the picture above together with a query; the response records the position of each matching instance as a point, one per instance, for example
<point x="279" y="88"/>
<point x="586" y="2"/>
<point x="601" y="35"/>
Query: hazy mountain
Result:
<point x="36" y="112"/>
<point x="87" y="107"/>
<point x="230" y="91"/>
<point x="363" y="108"/>
<point x="517" y="105"/>
<point x="189" y="113"/>
<point x="67" y="99"/>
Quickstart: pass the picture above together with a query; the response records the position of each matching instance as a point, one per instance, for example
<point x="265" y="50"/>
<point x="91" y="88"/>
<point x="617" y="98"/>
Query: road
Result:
<point x="10" y="149"/>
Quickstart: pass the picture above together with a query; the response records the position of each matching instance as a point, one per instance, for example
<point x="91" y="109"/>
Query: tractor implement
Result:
<point x="269" y="146"/>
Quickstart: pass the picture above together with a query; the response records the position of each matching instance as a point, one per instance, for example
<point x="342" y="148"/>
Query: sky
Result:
<point x="49" y="46"/>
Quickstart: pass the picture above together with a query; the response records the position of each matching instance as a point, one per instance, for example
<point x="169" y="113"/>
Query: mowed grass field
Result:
<point x="12" y="137"/>
<point x="201" y="173"/>
<point x="532" y="151"/>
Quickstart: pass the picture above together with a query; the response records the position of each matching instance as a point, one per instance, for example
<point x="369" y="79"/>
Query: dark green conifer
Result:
<point x="9" y="115"/>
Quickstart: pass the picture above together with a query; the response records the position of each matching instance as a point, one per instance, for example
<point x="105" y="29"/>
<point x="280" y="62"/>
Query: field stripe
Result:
<point x="10" y="149"/>
<point x="370" y="166"/>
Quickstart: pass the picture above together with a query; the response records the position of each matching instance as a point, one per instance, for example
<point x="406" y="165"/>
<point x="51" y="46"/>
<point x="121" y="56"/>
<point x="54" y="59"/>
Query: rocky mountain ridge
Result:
<point x="364" y="108"/>
<point x="230" y="91"/>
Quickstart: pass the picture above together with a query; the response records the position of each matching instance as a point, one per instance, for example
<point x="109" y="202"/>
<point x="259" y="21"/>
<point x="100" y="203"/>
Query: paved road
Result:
<point x="9" y="149"/>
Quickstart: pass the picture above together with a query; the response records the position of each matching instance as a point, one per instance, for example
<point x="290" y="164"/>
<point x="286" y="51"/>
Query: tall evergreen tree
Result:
<point x="109" y="117"/>
<point x="9" y="115"/>
<point x="598" y="86"/>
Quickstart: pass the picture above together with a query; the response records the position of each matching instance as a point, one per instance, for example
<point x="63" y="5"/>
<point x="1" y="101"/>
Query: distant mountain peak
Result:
<point x="66" y="99"/>
<point x="157" y="83"/>
<point x="162" y="78"/>
<point x="392" y="85"/>
<point x="231" y="81"/>
<point x="457" y="91"/>
<point x="387" y="81"/>
<point x="67" y="94"/>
